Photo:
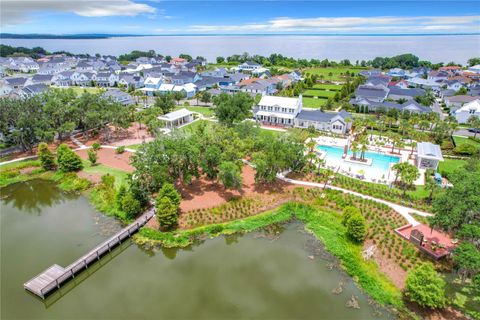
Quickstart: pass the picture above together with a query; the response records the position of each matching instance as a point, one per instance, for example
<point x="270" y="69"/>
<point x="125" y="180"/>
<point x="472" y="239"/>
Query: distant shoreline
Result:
<point x="106" y="36"/>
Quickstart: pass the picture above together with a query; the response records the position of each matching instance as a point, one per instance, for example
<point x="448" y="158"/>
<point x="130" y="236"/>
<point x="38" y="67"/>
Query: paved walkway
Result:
<point x="402" y="210"/>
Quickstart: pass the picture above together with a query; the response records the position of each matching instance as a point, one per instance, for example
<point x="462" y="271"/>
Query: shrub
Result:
<point x="122" y="191"/>
<point x="356" y="227"/>
<point x="348" y="212"/>
<point x="186" y="104"/>
<point x="96" y="146"/>
<point x="108" y="181"/>
<point x="425" y="287"/>
<point x="465" y="149"/>
<point x="167" y="213"/>
<point x="120" y="150"/>
<point x="169" y="191"/>
<point x="67" y="159"/>
<point x="46" y="157"/>
<point x="92" y="156"/>
<point x="131" y="206"/>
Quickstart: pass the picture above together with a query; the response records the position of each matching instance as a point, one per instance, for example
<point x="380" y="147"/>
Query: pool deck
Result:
<point x="379" y="177"/>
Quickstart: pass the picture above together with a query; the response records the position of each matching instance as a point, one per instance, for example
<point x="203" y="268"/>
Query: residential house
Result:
<point x="397" y="72"/>
<point x="475" y="69"/>
<point x="376" y="93"/>
<point x="454" y="102"/>
<point x="178" y="61"/>
<point x="411" y="106"/>
<point x="296" y="75"/>
<point x="249" y="66"/>
<point x="396" y="93"/>
<point x="336" y="122"/>
<point x="5" y="88"/>
<point x="47" y="79"/>
<point x="177" y="118"/>
<point x="468" y="110"/>
<point x="107" y="79"/>
<point x="119" y="96"/>
<point x="16" y="83"/>
<point x="34" y="89"/>
<point x="64" y="79"/>
<point x="84" y="66"/>
<point x="278" y="110"/>
<point x="128" y="80"/>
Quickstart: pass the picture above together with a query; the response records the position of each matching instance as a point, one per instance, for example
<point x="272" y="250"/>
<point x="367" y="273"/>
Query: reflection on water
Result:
<point x="278" y="272"/>
<point x="32" y="196"/>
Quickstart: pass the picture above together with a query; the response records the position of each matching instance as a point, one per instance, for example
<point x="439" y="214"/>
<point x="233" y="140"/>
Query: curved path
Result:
<point x="402" y="210"/>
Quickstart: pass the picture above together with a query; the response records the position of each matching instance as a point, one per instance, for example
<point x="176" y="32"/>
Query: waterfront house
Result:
<point x="249" y="66"/>
<point x="468" y="110"/>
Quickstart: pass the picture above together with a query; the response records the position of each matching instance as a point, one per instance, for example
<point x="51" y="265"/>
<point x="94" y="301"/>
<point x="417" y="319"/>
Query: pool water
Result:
<point x="379" y="166"/>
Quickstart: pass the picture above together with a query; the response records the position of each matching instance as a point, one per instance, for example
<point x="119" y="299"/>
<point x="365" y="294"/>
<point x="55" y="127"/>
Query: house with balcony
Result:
<point x="249" y="66"/>
<point x="274" y="110"/>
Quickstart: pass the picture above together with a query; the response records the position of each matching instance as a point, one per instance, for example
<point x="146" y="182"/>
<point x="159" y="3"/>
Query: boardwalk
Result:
<point x="51" y="279"/>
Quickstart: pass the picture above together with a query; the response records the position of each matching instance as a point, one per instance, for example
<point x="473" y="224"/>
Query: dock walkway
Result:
<point x="51" y="279"/>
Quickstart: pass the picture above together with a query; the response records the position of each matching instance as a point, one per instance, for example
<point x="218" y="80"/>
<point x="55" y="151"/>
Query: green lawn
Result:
<point x="206" y="111"/>
<point x="313" y="103"/>
<point x="338" y="74"/>
<point x="120" y="176"/>
<point x="80" y="90"/>
<point x="462" y="140"/>
<point x="193" y="125"/>
<point x="450" y="165"/>
<point x="333" y="87"/>
<point x="318" y="93"/>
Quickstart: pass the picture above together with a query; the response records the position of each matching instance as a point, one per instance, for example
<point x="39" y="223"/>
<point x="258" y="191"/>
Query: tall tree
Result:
<point x="232" y="108"/>
<point x="425" y="287"/>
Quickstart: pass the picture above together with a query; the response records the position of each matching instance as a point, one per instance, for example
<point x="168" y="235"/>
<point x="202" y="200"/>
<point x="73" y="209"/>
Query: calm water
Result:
<point x="264" y="275"/>
<point x="457" y="48"/>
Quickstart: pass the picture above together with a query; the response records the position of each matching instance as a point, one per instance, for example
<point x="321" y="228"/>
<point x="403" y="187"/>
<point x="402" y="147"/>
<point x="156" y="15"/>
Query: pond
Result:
<point x="279" y="272"/>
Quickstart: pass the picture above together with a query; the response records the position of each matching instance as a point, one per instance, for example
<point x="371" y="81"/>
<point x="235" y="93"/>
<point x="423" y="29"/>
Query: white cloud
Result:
<point x="18" y="11"/>
<point x="352" y="24"/>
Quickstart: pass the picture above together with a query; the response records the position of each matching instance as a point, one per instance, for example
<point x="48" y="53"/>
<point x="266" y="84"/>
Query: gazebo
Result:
<point x="428" y="155"/>
<point x="177" y="118"/>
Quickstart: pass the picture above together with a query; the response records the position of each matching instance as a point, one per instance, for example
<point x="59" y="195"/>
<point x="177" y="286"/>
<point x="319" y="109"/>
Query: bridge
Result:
<point x="53" y="277"/>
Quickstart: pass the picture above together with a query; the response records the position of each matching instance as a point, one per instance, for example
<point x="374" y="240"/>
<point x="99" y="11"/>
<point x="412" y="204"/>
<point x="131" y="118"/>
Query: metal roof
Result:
<point x="429" y="151"/>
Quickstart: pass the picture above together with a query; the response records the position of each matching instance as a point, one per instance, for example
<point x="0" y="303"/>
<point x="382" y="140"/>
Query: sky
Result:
<point x="239" y="17"/>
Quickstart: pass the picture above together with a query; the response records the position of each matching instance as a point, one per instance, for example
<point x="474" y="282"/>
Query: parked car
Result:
<point x="474" y="130"/>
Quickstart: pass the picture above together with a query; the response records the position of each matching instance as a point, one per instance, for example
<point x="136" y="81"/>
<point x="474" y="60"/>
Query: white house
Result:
<point x="249" y="66"/>
<point x="278" y="110"/>
<point x="475" y="68"/>
<point x="428" y="155"/>
<point x="467" y="110"/>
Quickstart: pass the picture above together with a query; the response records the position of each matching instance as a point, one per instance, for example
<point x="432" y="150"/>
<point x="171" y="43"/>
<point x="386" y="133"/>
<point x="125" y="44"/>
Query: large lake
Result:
<point x="440" y="48"/>
<point x="261" y="275"/>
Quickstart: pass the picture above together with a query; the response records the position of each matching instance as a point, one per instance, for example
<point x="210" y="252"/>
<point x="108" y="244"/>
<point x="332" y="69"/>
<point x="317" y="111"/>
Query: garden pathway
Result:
<point x="402" y="210"/>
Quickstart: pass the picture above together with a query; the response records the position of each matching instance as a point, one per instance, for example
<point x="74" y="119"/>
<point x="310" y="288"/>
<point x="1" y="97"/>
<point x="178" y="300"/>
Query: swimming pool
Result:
<point x="379" y="166"/>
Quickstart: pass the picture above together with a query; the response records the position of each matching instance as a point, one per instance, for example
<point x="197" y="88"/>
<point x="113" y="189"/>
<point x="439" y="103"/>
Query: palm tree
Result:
<point x="431" y="185"/>
<point x="354" y="148"/>
<point x="364" y="149"/>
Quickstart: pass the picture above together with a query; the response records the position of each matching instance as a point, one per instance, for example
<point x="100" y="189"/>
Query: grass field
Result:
<point x="450" y="165"/>
<point x="120" y="176"/>
<point x="332" y="87"/>
<point x="462" y="140"/>
<point x="313" y="103"/>
<point x="80" y="90"/>
<point x="337" y="73"/>
<point x="206" y="111"/>
<point x="318" y="93"/>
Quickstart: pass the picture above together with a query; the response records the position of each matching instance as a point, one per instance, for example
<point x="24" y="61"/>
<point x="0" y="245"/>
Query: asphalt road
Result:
<point x="464" y="132"/>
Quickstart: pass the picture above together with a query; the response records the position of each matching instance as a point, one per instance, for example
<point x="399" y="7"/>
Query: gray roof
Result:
<point x="42" y="77"/>
<point x="16" y="81"/>
<point x="429" y="150"/>
<point x="34" y="89"/>
<point x="320" y="116"/>
<point x="411" y="106"/>
<point x="251" y="63"/>
<point x="410" y="92"/>
<point x="371" y="92"/>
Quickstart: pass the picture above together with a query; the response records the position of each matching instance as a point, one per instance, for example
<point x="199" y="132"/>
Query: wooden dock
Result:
<point x="51" y="279"/>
